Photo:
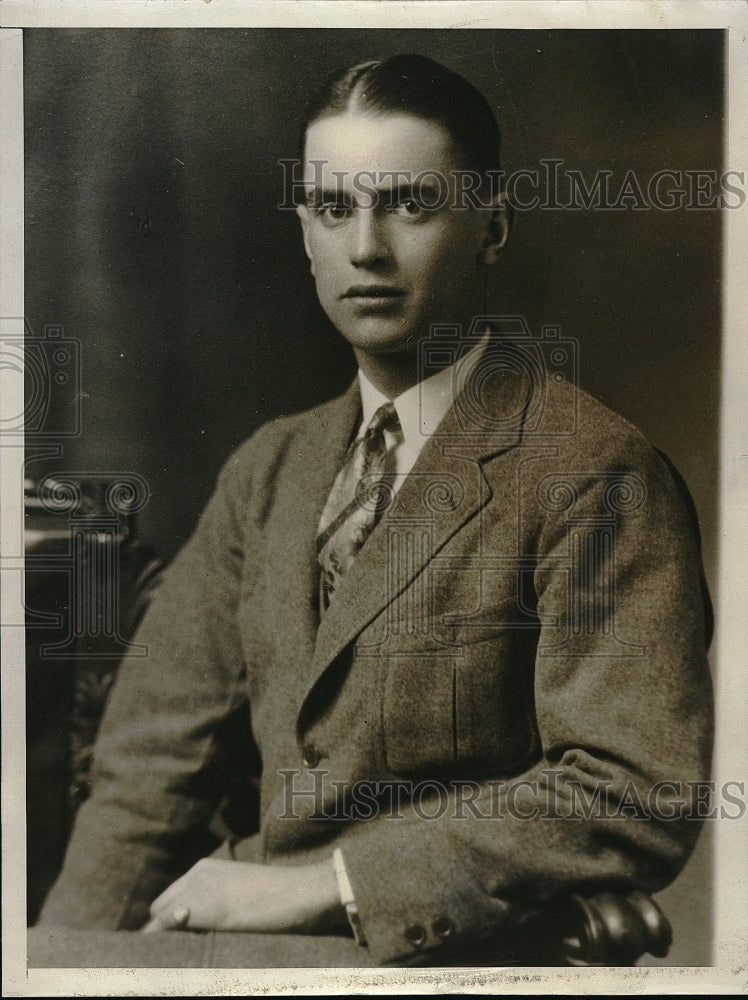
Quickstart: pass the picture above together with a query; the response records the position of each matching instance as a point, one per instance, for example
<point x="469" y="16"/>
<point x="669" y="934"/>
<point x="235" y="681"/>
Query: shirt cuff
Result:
<point x="346" y="896"/>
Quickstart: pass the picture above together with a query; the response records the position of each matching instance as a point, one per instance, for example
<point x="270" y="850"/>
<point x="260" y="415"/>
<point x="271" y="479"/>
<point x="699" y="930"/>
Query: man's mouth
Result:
<point x="373" y="292"/>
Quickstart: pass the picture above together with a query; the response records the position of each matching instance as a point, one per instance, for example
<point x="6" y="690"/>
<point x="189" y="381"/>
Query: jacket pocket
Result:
<point x="469" y="711"/>
<point x="419" y="715"/>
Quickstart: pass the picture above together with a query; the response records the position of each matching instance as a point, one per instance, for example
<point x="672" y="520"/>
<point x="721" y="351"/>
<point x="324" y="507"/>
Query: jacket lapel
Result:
<point x="309" y="466"/>
<point x="445" y="490"/>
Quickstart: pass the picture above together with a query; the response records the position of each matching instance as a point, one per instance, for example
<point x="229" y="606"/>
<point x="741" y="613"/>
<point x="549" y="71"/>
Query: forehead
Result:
<point x="354" y="142"/>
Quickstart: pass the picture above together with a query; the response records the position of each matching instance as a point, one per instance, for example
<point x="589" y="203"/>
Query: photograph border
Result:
<point x="728" y="974"/>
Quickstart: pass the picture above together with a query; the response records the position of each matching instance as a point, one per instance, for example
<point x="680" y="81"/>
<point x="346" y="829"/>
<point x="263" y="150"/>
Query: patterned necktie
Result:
<point x="356" y="501"/>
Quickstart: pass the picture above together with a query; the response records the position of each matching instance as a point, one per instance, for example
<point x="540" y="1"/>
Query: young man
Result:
<point x="456" y="612"/>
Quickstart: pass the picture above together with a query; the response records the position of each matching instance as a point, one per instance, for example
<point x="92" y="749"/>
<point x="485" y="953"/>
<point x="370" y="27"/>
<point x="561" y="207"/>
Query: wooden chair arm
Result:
<point x="613" y="929"/>
<point x="603" y="929"/>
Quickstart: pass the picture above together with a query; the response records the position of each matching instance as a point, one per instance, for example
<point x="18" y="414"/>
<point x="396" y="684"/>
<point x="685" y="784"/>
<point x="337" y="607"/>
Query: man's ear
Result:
<point x="499" y="228"/>
<point x="303" y="213"/>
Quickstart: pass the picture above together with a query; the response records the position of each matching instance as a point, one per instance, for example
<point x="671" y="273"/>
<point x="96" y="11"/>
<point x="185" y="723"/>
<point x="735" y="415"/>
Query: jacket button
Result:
<point x="310" y="756"/>
<point x="443" y="927"/>
<point x="415" y="935"/>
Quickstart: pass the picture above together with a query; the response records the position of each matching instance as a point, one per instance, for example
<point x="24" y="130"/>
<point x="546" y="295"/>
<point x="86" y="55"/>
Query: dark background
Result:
<point x="153" y="237"/>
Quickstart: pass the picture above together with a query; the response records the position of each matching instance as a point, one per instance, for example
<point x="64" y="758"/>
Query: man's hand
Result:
<point x="239" y="896"/>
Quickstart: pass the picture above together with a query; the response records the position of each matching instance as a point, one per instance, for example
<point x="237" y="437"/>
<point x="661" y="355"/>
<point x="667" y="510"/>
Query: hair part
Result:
<point x="414" y="85"/>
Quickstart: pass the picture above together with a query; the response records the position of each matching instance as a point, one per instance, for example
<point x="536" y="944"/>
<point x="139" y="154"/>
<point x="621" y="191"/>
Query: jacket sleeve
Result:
<point x="607" y="802"/>
<point x="157" y="768"/>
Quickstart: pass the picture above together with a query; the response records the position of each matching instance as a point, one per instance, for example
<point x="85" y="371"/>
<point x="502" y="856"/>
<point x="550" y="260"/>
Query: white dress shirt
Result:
<point x="420" y="410"/>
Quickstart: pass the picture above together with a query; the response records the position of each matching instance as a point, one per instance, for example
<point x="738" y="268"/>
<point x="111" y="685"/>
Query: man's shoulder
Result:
<point x="569" y="436"/>
<point x="601" y="449"/>
<point x="268" y="446"/>
<point x="587" y="428"/>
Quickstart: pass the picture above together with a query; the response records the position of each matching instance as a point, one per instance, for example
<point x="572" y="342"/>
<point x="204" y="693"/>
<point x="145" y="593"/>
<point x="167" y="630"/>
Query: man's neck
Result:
<point x="394" y="374"/>
<point x="391" y="374"/>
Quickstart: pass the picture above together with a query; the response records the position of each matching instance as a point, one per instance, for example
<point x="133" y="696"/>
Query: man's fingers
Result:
<point x="172" y="919"/>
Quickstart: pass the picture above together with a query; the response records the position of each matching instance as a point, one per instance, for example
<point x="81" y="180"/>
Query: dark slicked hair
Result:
<point x="414" y="85"/>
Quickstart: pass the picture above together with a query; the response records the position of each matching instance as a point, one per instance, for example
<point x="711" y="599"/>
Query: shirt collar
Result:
<point x="421" y="408"/>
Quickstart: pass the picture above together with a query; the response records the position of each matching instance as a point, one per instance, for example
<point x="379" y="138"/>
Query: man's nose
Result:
<point x="370" y="242"/>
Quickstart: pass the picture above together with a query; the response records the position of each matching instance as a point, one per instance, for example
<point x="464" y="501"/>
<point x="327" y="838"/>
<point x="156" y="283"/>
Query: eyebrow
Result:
<point x="317" y="195"/>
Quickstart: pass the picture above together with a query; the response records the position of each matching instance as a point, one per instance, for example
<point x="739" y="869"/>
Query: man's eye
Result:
<point x="409" y="207"/>
<point x="332" y="213"/>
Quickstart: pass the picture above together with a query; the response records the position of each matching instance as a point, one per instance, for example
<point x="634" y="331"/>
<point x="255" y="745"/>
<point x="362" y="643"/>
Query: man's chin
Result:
<point x="382" y="341"/>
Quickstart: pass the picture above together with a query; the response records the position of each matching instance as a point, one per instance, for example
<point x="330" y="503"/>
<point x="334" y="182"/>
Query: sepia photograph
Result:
<point x="367" y="505"/>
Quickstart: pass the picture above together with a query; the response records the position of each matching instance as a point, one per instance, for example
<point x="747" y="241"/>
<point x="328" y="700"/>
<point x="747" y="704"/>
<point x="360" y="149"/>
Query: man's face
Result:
<point x="386" y="267"/>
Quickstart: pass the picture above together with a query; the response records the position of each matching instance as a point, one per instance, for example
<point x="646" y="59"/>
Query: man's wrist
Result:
<point x="325" y="911"/>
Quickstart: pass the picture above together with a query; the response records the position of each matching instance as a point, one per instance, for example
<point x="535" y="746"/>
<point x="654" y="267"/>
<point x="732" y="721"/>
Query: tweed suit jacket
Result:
<point x="523" y="630"/>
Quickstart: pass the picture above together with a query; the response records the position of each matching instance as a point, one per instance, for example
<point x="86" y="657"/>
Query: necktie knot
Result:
<point x="384" y="419"/>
